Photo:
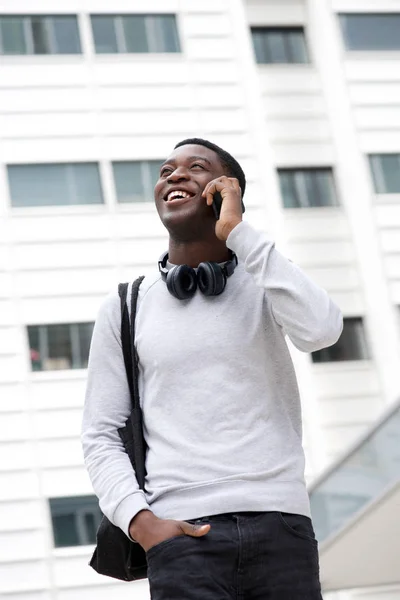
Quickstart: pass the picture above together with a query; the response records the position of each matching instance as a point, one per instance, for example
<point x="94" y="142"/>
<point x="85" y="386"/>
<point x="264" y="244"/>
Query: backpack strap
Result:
<point x="132" y="433"/>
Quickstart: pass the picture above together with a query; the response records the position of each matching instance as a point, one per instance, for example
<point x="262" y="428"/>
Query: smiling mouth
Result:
<point x="177" y="195"/>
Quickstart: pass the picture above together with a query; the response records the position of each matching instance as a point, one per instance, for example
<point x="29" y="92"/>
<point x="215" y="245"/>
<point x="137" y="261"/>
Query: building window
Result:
<point x="75" y="520"/>
<point x="135" y="181"/>
<point x="55" y="347"/>
<point x="135" y="33"/>
<point x="54" y="184"/>
<point x="273" y="45"/>
<point x="352" y="344"/>
<point x="372" y="31"/>
<point x="39" y="34"/>
<point x="304" y="188"/>
<point x="386" y="173"/>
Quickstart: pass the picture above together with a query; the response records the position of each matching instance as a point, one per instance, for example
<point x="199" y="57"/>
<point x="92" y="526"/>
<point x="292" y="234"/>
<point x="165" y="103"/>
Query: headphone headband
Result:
<point x="227" y="267"/>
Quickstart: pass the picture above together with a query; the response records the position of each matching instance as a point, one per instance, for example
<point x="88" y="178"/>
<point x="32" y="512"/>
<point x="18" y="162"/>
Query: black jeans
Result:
<point x="245" y="556"/>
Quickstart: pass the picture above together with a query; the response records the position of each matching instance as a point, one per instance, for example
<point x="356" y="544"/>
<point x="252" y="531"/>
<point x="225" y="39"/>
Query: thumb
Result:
<point x="194" y="530"/>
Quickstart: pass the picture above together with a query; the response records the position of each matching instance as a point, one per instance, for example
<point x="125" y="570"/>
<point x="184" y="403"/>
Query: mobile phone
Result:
<point x="217" y="203"/>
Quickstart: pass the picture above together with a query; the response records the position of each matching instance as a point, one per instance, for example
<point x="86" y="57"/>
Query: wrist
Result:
<point x="140" y="523"/>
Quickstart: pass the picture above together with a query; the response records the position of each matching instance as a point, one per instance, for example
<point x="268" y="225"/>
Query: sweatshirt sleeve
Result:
<point x="304" y="310"/>
<point x="107" y="407"/>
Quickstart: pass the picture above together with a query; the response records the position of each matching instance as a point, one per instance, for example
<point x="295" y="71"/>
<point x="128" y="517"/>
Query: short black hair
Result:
<point x="231" y="165"/>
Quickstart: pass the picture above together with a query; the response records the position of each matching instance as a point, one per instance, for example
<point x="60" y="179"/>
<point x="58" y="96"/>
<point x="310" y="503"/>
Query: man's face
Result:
<point x="178" y="192"/>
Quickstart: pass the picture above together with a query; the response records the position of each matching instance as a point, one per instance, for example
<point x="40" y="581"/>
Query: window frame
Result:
<point x="296" y="171"/>
<point x="120" y="34"/>
<point x="50" y="34"/>
<point x="283" y="29"/>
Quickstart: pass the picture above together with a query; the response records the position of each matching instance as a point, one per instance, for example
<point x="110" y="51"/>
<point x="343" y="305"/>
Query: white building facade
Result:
<point x="306" y="95"/>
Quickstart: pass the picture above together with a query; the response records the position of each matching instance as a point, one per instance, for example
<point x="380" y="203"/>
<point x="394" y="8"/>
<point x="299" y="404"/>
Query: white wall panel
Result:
<point x="379" y="94"/>
<point x="313" y="224"/>
<point x="376" y="69"/>
<point x="130" y="97"/>
<point x="286" y="12"/>
<point x="105" y="592"/>
<point x="66" y="389"/>
<point x="60" y="453"/>
<point x="353" y="378"/>
<point x="288" y="79"/>
<point x="24" y="576"/>
<point x="206" y="25"/>
<point x="13" y="397"/>
<point x="8" y="313"/>
<point x="78" y="309"/>
<point x="322" y="253"/>
<point x="304" y="105"/>
<point x="209" y="48"/>
<point x="71" y="223"/>
<point x="22" y="515"/>
<point x="59" y="482"/>
<point x="294" y="129"/>
<point x="19" y="485"/>
<point x="350" y="410"/>
<point x="46" y="424"/>
<point x="22" y="545"/>
<point x="376" y="118"/>
<point x="16" y="456"/>
<point x="11" y="340"/>
<point x="36" y="99"/>
<point x="51" y="256"/>
<point x="308" y="154"/>
<point x="335" y="278"/>
<point x="15" y="426"/>
<point x="64" y="282"/>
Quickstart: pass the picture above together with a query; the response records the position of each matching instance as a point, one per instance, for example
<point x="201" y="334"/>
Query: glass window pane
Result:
<point x="286" y="180"/>
<point x="40" y="35"/>
<point x="276" y="47"/>
<point x="305" y="188"/>
<point x="325" y="189"/>
<point x="135" y="33"/>
<point x="371" y="31"/>
<point x="34" y="348"/>
<point x="59" y="348"/>
<point x="90" y="524"/>
<point x="162" y="33"/>
<point x="386" y="173"/>
<point x="154" y="166"/>
<point x="12" y="35"/>
<point x="85" y="331"/>
<point x="85" y="183"/>
<point x="38" y="185"/>
<point x="352" y="344"/>
<point x="66" y="35"/>
<point x="105" y="39"/>
<point x="259" y="44"/>
<point x="65" y="530"/>
<point x="129" y="182"/>
<point x="297" y="47"/>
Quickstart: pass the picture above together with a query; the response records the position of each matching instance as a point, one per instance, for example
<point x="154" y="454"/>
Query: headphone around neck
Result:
<point x="210" y="277"/>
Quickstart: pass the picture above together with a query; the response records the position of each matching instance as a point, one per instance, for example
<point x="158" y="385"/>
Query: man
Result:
<point x="225" y="513"/>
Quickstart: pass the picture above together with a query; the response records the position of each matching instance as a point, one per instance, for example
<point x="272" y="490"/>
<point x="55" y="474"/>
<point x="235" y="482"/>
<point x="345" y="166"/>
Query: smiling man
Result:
<point x="225" y="513"/>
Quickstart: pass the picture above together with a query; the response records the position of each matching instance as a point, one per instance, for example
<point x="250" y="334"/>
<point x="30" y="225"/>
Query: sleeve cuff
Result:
<point x="127" y="509"/>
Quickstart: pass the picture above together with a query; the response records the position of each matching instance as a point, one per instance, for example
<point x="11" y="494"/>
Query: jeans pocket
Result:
<point x="161" y="545"/>
<point x="298" y="525"/>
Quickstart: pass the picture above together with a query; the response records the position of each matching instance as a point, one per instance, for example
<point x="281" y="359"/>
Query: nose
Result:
<point x="179" y="174"/>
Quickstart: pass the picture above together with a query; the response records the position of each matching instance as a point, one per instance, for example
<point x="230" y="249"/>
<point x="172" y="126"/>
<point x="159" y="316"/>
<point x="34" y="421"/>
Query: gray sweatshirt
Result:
<point x="221" y="407"/>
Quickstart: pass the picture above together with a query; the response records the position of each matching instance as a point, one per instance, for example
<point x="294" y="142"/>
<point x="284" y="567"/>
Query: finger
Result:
<point x="237" y="186"/>
<point x="194" y="530"/>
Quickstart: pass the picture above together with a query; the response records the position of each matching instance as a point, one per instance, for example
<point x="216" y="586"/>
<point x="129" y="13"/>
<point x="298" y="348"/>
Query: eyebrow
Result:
<point x="189" y="158"/>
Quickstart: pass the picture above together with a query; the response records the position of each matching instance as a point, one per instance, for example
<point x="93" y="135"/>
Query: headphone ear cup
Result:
<point x="182" y="282"/>
<point x="211" y="279"/>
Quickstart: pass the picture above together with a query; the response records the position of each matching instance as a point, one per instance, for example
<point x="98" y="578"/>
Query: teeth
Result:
<point x="176" y="194"/>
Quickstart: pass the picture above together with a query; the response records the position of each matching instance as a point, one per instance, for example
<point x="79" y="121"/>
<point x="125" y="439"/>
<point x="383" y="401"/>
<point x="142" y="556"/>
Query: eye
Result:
<point x="198" y="165"/>
<point x="165" y="171"/>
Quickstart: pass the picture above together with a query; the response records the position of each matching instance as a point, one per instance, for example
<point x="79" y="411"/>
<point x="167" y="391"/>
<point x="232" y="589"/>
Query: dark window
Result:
<point x="352" y="344"/>
<point x="54" y="347"/>
<point x="39" y="34"/>
<point x="135" y="33"/>
<point x="135" y="181"/>
<point x="372" y="31"/>
<point x="303" y="188"/>
<point x="75" y="520"/>
<point x="386" y="173"/>
<point x="279" y="45"/>
<point x="55" y="184"/>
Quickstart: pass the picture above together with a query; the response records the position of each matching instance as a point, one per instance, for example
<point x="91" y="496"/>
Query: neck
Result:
<point x="193" y="253"/>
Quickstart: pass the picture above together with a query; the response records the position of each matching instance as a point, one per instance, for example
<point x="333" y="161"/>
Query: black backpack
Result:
<point x="115" y="555"/>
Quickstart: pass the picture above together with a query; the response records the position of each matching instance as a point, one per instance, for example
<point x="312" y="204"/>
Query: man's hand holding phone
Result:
<point x="231" y="209"/>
